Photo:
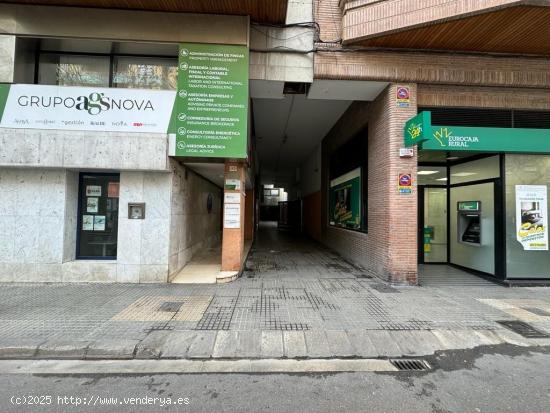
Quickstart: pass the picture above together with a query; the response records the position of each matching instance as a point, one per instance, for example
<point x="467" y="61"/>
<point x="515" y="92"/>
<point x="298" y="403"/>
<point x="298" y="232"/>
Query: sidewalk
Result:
<point x="342" y="314"/>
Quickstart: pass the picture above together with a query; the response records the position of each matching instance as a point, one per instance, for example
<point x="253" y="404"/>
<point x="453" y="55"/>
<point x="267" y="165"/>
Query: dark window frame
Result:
<point x="79" y="217"/>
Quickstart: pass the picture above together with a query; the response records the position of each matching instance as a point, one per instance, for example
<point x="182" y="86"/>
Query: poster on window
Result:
<point x="345" y="200"/>
<point x="532" y="217"/>
<point x="87" y="222"/>
<point x="99" y="223"/>
<point x="92" y="205"/>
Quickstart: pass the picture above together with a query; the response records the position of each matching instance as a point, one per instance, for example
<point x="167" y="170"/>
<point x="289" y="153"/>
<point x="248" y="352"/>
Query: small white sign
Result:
<point x="92" y="205"/>
<point x="406" y="152"/>
<point x="93" y="190"/>
<point x="232" y="198"/>
<point x="233" y="184"/>
<point x="232" y="216"/>
<point x="99" y="222"/>
<point x="87" y="222"/>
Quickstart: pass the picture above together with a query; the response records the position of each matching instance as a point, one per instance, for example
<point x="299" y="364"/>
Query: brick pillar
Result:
<point x="233" y="231"/>
<point x="249" y="215"/>
<point x="402" y="211"/>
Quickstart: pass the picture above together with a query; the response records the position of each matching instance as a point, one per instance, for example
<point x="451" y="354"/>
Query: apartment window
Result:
<point x="98" y="216"/>
<point x="73" y="70"/>
<point x="145" y="73"/>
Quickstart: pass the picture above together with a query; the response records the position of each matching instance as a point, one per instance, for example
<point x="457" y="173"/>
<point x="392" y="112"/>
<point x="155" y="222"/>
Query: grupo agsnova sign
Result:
<point x="419" y="131"/>
<point x="85" y="108"/>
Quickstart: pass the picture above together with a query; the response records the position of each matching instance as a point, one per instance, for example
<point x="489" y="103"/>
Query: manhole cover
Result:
<point x="170" y="306"/>
<point x="523" y="329"/>
<point x="410" y="364"/>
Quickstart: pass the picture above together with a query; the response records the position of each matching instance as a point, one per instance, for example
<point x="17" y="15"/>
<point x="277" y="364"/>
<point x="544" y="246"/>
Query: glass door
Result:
<point x="434" y="231"/>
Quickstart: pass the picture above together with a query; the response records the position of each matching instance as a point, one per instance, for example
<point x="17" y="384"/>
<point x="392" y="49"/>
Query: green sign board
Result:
<point x="345" y="200"/>
<point x="420" y="131"/>
<point x="469" y="206"/>
<point x="211" y="111"/>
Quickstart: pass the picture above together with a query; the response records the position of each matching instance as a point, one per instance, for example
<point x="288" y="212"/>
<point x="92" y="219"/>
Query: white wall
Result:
<point x="192" y="228"/>
<point x="82" y="149"/>
<point x="38" y="228"/>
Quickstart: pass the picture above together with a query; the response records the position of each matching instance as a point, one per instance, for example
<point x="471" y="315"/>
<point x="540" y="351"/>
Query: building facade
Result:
<point x="133" y="140"/>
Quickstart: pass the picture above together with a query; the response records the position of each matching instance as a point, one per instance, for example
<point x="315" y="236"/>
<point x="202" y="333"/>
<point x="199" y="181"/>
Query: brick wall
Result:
<point x="390" y="246"/>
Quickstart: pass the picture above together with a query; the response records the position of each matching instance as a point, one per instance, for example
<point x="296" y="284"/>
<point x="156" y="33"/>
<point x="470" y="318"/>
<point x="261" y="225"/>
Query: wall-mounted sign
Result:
<point x="469" y="206"/>
<point x="345" y="200"/>
<point x="232" y="216"/>
<point x="232" y="198"/>
<point x="92" y="205"/>
<point x="406" y="152"/>
<point x="420" y="131"/>
<point x="85" y="108"/>
<point x="232" y="184"/>
<point x="93" y="190"/>
<point x="405" y="184"/>
<point x="532" y="217"/>
<point x="212" y="101"/>
<point x="403" y="97"/>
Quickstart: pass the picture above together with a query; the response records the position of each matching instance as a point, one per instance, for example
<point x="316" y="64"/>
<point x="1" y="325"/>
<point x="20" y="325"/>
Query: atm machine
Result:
<point x="469" y="222"/>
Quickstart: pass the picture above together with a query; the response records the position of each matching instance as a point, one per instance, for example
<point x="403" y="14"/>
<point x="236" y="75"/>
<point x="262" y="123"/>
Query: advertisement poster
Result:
<point x="532" y="217"/>
<point x="92" y="205"/>
<point x="99" y="223"/>
<point x="93" y="190"/>
<point x="212" y="101"/>
<point x="345" y="200"/>
<point x="87" y="222"/>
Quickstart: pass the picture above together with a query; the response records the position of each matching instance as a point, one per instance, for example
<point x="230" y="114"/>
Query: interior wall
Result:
<point x="524" y="170"/>
<point x="192" y="227"/>
<point x="480" y="258"/>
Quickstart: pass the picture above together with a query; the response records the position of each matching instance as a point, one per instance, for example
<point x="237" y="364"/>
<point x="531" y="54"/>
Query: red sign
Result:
<point x="403" y="97"/>
<point x="405" y="183"/>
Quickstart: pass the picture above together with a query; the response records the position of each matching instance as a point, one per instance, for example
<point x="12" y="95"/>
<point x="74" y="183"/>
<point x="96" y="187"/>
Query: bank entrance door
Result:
<point x="433" y="225"/>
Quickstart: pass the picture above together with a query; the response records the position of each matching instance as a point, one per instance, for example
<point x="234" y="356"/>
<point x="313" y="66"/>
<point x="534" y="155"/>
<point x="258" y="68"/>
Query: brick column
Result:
<point x="402" y="208"/>
<point x="233" y="231"/>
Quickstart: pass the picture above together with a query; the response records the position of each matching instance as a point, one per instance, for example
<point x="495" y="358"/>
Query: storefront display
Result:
<point x="345" y="200"/>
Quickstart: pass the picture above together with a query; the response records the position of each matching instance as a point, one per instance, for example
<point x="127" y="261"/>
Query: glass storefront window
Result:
<point x="435" y="225"/>
<point x="73" y="70"/>
<point x="98" y="216"/>
<point x="145" y="73"/>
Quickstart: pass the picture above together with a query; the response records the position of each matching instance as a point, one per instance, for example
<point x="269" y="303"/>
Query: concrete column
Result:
<point x="7" y="58"/>
<point x="233" y="219"/>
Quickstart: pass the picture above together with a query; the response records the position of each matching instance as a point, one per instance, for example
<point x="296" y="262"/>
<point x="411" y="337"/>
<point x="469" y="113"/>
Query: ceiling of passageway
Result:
<point x="268" y="11"/>
<point x="303" y="121"/>
<point x="289" y="128"/>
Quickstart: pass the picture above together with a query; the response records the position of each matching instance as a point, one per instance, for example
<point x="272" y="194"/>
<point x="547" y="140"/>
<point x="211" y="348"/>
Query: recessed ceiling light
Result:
<point x="441" y="179"/>
<point x="462" y="174"/>
<point x="427" y="172"/>
<point x="452" y="158"/>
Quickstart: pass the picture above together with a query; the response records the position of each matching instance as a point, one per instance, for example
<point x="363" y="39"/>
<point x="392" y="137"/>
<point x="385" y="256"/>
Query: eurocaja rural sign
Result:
<point x="420" y="131"/>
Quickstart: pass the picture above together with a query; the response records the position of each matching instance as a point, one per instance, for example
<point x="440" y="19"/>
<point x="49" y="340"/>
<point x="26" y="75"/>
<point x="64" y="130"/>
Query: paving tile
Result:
<point x="362" y="344"/>
<point x="317" y="344"/>
<point x="111" y="349"/>
<point x="384" y="344"/>
<point x="271" y="344"/>
<point x="177" y="344"/>
<point x="150" y="346"/>
<point x="226" y="344"/>
<point x="203" y="345"/>
<point x="249" y="344"/>
<point x="339" y="344"/>
<point x="294" y="343"/>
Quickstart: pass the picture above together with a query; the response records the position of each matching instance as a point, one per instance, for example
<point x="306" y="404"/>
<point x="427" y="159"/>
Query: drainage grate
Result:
<point x="410" y="364"/>
<point x="523" y="329"/>
<point x="171" y="306"/>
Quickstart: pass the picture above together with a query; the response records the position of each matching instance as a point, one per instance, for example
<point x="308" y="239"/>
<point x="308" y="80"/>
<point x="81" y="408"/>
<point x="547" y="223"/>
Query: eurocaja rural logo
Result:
<point x="94" y="103"/>
<point x="446" y="138"/>
<point x="414" y="131"/>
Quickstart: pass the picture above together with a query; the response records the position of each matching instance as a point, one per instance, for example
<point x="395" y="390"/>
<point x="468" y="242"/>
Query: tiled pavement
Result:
<point x="296" y="299"/>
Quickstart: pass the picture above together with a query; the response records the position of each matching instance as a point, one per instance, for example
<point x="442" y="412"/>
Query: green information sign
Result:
<point x="469" y="206"/>
<point x="211" y="118"/>
<point x="420" y="131"/>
